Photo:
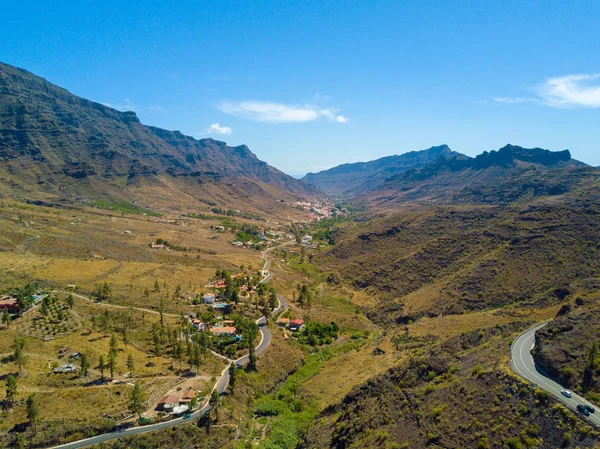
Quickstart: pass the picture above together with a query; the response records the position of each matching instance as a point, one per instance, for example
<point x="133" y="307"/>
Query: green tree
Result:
<point x="24" y="297"/>
<point x="125" y="335"/>
<point x="273" y="300"/>
<point x="6" y="318"/>
<point x="45" y="309"/>
<point x="232" y="376"/>
<point x="112" y="363"/>
<point x="157" y="343"/>
<point x="32" y="409"/>
<point x="179" y="353"/>
<point x="156" y="285"/>
<point x="11" y="389"/>
<point x="250" y="333"/>
<point x="130" y="365"/>
<point x="114" y="344"/>
<point x="102" y="292"/>
<point x="137" y="398"/>
<point x="70" y="301"/>
<point x="101" y="366"/>
<point x="214" y="404"/>
<point x="85" y="365"/>
<point x="19" y="356"/>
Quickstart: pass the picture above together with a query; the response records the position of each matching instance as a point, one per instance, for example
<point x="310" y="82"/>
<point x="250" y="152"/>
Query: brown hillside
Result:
<point x="57" y="146"/>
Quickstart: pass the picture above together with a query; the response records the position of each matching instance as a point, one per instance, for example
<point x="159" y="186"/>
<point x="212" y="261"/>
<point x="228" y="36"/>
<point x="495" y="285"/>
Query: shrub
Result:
<point x="477" y="370"/>
<point x="514" y="443"/>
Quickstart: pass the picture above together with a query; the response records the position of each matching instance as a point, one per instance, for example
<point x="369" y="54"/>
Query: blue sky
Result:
<point x="312" y="84"/>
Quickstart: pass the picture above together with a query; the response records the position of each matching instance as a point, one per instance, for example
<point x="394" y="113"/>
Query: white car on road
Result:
<point x="566" y="393"/>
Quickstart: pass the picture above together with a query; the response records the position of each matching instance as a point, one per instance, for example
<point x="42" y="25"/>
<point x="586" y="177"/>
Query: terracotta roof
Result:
<point x="190" y="394"/>
<point x="299" y="322"/>
<point x="224" y="330"/>
<point x="169" y="399"/>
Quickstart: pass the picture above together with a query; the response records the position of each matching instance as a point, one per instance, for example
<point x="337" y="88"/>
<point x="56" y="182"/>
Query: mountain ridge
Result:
<point x="510" y="174"/>
<point x="56" y="141"/>
<point x="352" y="178"/>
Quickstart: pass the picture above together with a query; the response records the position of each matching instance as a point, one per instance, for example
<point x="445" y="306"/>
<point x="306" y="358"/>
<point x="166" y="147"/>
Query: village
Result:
<point x="223" y="320"/>
<point x="319" y="210"/>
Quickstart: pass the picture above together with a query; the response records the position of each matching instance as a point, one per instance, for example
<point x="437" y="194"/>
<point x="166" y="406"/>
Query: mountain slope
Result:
<point x="456" y="259"/>
<point x="360" y="177"/>
<point x="510" y="174"/>
<point x="54" y="144"/>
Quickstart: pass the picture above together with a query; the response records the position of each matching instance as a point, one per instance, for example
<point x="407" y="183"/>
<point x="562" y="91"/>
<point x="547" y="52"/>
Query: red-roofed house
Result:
<point x="188" y="396"/>
<point x="226" y="330"/>
<point x="6" y="302"/>
<point x="283" y="322"/>
<point x="168" y="402"/>
<point x="296" y="325"/>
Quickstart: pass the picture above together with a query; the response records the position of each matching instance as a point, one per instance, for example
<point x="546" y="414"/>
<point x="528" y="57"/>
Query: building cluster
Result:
<point x="220" y="328"/>
<point x="318" y="209"/>
<point x="306" y="240"/>
<point x="11" y="304"/>
<point x="292" y="325"/>
<point x="176" y="404"/>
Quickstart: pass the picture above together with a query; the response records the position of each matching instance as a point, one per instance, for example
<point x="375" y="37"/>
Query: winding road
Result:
<point x="220" y="385"/>
<point x="522" y="363"/>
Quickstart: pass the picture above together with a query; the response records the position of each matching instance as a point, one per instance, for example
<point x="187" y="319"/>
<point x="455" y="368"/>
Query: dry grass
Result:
<point x="448" y="326"/>
<point x="337" y="377"/>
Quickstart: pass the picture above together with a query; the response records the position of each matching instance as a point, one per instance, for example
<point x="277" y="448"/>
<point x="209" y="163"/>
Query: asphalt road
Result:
<point x="220" y="386"/>
<point x="522" y="363"/>
<point x="134" y="431"/>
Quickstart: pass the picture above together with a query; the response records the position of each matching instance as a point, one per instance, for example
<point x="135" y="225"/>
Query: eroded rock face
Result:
<point x="564" y="346"/>
<point x="55" y="134"/>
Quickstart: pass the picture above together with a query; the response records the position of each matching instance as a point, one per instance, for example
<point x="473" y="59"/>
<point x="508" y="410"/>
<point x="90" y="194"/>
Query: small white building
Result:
<point x="208" y="299"/>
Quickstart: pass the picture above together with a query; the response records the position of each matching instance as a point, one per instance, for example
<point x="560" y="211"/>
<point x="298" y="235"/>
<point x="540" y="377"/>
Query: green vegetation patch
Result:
<point x="123" y="207"/>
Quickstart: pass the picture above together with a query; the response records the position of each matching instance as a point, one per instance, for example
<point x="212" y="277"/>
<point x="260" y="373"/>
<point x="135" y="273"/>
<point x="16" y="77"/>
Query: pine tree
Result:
<point x="136" y="405"/>
<point x="32" y="409"/>
<point x="114" y="344"/>
<point x="232" y="375"/>
<point x="85" y="365"/>
<point x="112" y="363"/>
<point x="19" y="356"/>
<point x="101" y="366"/>
<point x="6" y="318"/>
<point x="11" y="389"/>
<point x="214" y="403"/>
<point x="130" y="365"/>
<point x="179" y="353"/>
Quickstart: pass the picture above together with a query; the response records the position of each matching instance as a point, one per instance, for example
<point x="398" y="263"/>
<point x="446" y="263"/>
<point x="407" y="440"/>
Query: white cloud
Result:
<point x="572" y="91"/>
<point x="264" y="111"/>
<point x="216" y="128"/>
<point x="514" y="100"/>
<point x="331" y="115"/>
<point x="155" y="108"/>
<point x="569" y="91"/>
